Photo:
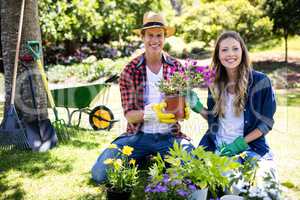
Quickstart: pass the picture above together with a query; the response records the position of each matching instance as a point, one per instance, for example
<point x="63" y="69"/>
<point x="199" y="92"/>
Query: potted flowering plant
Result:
<point x="180" y="81"/>
<point x="162" y="186"/>
<point x="122" y="174"/>
<point x="189" y="175"/>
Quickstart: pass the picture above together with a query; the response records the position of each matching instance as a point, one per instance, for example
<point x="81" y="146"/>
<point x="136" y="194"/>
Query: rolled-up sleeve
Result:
<point x="268" y="107"/>
<point x="127" y="90"/>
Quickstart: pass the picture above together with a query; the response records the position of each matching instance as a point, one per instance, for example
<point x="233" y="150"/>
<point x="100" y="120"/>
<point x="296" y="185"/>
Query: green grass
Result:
<point x="293" y="44"/>
<point x="278" y="45"/>
<point x="288" y="98"/>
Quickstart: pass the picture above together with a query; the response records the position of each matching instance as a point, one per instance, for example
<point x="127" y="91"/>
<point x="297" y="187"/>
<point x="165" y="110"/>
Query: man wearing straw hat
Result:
<point x="149" y="129"/>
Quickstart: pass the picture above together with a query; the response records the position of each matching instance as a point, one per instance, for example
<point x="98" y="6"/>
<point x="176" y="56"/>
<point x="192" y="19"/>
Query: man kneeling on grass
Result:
<point x="149" y="130"/>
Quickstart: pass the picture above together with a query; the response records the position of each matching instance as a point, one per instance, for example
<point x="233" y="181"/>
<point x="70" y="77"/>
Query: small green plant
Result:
<point x="187" y="172"/>
<point x="122" y="174"/>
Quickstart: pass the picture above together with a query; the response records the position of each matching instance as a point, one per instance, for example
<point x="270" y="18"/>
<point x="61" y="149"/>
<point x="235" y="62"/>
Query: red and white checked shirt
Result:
<point x="132" y="85"/>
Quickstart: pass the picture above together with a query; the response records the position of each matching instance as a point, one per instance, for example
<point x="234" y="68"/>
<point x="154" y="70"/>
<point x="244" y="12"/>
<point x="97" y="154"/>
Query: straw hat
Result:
<point x="155" y="20"/>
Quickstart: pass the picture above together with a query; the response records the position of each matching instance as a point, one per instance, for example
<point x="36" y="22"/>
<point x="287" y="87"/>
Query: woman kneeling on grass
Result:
<point x="240" y="104"/>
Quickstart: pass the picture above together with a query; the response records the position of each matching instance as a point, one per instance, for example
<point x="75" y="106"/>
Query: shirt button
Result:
<point x="246" y="122"/>
<point x="244" y="109"/>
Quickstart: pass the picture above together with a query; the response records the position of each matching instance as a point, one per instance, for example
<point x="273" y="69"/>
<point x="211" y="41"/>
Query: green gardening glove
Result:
<point x="237" y="146"/>
<point x="193" y="101"/>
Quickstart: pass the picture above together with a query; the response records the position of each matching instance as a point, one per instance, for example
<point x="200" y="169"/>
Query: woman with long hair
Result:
<point x="240" y="105"/>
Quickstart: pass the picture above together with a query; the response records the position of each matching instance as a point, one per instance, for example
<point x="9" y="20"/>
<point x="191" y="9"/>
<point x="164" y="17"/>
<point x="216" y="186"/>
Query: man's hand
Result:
<point x="194" y="101"/>
<point x="237" y="146"/>
<point x="154" y="112"/>
<point x="167" y="118"/>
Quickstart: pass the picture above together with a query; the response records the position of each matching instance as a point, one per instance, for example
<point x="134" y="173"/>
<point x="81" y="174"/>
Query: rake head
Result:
<point x="16" y="138"/>
<point x="12" y="132"/>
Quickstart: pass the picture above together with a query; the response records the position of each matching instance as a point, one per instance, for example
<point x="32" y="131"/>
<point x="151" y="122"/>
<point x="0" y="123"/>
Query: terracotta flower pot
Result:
<point x="117" y="195"/>
<point x="176" y="105"/>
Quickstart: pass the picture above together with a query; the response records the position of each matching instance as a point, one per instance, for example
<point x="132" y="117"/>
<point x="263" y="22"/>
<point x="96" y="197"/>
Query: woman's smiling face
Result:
<point x="230" y="53"/>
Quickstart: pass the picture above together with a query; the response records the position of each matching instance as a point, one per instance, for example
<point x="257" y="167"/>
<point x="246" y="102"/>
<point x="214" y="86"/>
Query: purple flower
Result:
<point x="182" y="193"/>
<point x="199" y="69"/>
<point x="166" y="178"/>
<point x="206" y="74"/>
<point x="148" y="189"/>
<point x="192" y="187"/>
<point x="161" y="188"/>
<point x="175" y="182"/>
<point x="171" y="70"/>
<point x="188" y="181"/>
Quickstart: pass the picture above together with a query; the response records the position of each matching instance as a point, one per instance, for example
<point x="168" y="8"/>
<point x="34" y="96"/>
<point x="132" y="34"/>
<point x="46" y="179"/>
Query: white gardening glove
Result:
<point x="153" y="112"/>
<point x="149" y="114"/>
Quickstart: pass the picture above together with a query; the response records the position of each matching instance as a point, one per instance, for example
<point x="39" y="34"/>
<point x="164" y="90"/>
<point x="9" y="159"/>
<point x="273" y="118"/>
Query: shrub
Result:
<point x="175" y="46"/>
<point x="90" y="69"/>
<point x="206" y="22"/>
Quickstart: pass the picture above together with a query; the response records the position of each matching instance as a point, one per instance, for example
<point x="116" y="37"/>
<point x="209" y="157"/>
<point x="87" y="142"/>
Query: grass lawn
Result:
<point x="64" y="172"/>
<point x="279" y="46"/>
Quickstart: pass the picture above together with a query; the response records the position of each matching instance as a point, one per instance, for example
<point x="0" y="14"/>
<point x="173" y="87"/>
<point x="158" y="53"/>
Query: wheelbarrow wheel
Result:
<point x="101" y="118"/>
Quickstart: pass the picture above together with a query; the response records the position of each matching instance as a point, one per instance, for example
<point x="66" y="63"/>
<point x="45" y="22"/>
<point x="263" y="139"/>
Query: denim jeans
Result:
<point x="143" y="144"/>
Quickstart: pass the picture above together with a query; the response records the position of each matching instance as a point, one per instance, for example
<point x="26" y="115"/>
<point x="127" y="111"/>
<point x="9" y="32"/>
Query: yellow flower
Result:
<point x="112" y="146"/>
<point x="243" y="155"/>
<point x="108" y="161"/>
<point x="127" y="150"/>
<point x="118" y="164"/>
<point x="132" y="162"/>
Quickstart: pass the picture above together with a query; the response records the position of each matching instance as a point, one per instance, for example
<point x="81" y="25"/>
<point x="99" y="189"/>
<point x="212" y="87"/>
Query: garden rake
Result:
<point x="40" y="133"/>
<point x="12" y="131"/>
<point x="59" y="124"/>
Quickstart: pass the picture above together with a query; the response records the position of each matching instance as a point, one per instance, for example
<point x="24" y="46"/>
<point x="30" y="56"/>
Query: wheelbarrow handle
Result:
<point x="34" y="48"/>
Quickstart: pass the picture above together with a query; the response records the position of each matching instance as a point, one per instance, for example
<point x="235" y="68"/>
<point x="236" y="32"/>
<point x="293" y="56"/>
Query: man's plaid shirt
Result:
<point x="132" y="84"/>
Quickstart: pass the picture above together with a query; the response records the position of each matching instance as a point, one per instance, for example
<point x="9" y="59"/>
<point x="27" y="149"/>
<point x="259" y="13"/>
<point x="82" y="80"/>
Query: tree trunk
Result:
<point x="286" y="45"/>
<point x="1" y="60"/>
<point x="10" y="17"/>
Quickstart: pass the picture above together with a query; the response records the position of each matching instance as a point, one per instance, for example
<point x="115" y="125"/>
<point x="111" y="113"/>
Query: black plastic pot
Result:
<point x="117" y="195"/>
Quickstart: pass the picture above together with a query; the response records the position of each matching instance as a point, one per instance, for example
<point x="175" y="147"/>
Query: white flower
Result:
<point x="262" y="193"/>
<point x="253" y="192"/>
<point x="267" y="198"/>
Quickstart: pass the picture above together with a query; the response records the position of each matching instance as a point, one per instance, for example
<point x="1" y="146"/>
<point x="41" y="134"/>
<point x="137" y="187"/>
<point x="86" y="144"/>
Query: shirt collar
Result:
<point x="165" y="59"/>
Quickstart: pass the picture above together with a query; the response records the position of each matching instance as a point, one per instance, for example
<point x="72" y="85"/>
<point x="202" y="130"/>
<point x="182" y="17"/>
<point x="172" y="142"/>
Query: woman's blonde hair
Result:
<point x="221" y="81"/>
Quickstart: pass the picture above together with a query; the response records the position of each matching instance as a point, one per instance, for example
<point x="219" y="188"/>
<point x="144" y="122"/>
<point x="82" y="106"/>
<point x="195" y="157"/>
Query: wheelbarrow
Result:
<point x="81" y="97"/>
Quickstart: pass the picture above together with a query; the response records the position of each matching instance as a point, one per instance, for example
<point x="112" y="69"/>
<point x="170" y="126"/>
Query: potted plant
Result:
<point x="122" y="174"/>
<point x="162" y="186"/>
<point x="197" y="172"/>
<point x="180" y="81"/>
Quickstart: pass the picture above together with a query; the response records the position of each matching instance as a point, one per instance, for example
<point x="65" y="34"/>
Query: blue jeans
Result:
<point x="143" y="144"/>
